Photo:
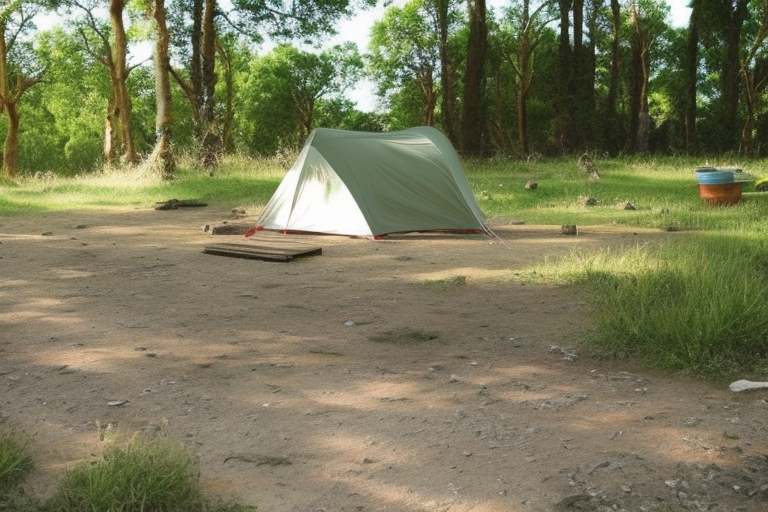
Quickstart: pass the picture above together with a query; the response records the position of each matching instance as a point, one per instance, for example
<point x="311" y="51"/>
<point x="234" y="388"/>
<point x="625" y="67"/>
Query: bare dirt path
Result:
<point x="343" y="382"/>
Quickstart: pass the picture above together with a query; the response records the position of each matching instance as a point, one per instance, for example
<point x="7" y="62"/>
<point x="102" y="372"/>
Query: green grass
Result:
<point x="15" y="462"/>
<point x="15" y="466"/>
<point x="241" y="182"/>
<point x="145" y="475"/>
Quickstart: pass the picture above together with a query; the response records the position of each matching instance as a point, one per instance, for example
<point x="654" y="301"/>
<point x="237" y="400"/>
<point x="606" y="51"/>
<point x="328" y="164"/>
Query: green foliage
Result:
<point x="279" y="94"/>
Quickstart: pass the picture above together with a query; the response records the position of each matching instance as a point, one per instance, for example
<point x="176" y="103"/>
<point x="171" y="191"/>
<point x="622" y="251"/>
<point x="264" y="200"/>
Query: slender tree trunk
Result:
<point x="579" y="77"/>
<point x="7" y="169"/>
<point x="612" y="121"/>
<point x="636" y="85"/>
<point x="225" y="58"/>
<point x="442" y="8"/>
<point x="523" y="69"/>
<point x="730" y="75"/>
<point x="565" y="84"/>
<point x="122" y="97"/>
<point x="11" y="146"/>
<point x="196" y="65"/>
<point x="691" y="73"/>
<point x="162" y="156"/>
<point x="109" y="133"/>
<point x="211" y="136"/>
<point x="472" y="107"/>
<point x="751" y="79"/>
<point x="430" y="102"/>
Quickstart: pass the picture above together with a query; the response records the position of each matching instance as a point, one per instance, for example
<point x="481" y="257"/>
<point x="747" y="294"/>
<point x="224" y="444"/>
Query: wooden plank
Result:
<point x="270" y="252"/>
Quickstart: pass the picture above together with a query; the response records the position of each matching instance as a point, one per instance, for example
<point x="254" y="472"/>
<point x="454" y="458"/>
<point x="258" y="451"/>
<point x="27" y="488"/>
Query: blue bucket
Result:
<point x="713" y="177"/>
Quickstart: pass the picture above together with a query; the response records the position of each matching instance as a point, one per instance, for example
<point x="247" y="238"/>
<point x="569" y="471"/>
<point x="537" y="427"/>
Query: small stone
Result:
<point x="569" y="229"/>
<point x="531" y="185"/>
<point x="349" y="323"/>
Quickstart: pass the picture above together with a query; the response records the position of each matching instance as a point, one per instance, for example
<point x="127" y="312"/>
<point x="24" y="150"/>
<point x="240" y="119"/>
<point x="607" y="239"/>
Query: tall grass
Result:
<point x="15" y="461"/>
<point x="157" y="475"/>
<point x="15" y="465"/>
<point x="698" y="306"/>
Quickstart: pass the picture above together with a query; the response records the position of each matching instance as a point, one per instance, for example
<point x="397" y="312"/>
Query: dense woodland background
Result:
<point x="124" y="82"/>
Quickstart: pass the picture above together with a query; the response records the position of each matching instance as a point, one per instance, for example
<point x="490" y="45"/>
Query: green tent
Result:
<point x="373" y="184"/>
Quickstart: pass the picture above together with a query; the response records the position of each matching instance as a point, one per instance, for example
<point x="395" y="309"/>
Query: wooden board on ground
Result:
<point x="263" y="250"/>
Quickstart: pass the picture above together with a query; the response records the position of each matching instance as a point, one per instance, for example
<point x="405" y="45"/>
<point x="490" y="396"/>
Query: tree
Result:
<point x="404" y="47"/>
<point x="19" y="71"/>
<point x="472" y="103"/>
<point x="612" y="124"/>
<point x="647" y="26"/>
<point x="108" y="44"/>
<point x="691" y="69"/>
<point x="446" y="19"/>
<point x="282" y="89"/>
<point x="754" y="78"/>
<point x="279" y="19"/>
<point x="529" y="26"/>
<point x="162" y="156"/>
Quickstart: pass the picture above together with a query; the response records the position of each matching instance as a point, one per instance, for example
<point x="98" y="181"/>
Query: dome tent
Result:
<point x="374" y="184"/>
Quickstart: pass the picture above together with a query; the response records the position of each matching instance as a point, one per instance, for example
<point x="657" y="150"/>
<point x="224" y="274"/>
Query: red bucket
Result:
<point x="721" y="194"/>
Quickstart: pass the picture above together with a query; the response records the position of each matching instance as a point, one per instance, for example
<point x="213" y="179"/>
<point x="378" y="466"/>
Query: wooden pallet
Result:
<point x="270" y="251"/>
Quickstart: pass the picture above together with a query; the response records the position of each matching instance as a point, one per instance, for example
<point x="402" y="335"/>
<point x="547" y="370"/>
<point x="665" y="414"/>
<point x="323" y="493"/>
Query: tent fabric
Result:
<point x="373" y="184"/>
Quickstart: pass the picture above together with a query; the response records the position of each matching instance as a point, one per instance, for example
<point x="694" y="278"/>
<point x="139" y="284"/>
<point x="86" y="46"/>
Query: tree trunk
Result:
<point x="442" y="8"/>
<point x="11" y="146"/>
<point x="109" y="134"/>
<point x="211" y="143"/>
<point x="565" y="85"/>
<point x="752" y="82"/>
<point x="229" y="112"/>
<point x="472" y="107"/>
<point x="122" y="97"/>
<point x="10" y="95"/>
<point x="691" y="73"/>
<point x="612" y="120"/>
<point x="578" y="77"/>
<point x="523" y="68"/>
<point x="730" y="77"/>
<point x="162" y="156"/>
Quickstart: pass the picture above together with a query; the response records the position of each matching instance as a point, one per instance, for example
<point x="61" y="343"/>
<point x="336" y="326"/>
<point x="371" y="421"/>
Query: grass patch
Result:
<point x="239" y="182"/>
<point x="15" y="461"/>
<point x="445" y="283"/>
<point x="156" y="475"/>
<point x="699" y="306"/>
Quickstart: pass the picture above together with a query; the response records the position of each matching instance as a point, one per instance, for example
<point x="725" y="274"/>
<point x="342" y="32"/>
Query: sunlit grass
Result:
<point x="239" y="182"/>
<point x="698" y="305"/>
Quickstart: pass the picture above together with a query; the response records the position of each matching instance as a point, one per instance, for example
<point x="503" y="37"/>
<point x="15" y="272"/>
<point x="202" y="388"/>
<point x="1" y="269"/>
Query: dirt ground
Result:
<point x="348" y="382"/>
